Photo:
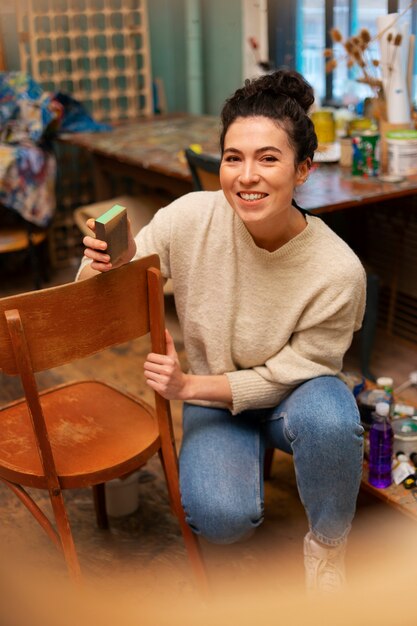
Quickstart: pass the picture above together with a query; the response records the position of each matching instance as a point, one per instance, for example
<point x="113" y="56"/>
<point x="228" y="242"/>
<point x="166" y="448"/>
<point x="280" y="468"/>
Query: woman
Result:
<point x="268" y="298"/>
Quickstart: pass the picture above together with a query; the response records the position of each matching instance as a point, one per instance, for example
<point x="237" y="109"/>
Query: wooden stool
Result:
<point x="21" y="238"/>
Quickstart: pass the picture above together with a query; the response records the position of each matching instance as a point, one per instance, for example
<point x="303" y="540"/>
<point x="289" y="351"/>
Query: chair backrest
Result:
<point x="204" y="170"/>
<point x="77" y="319"/>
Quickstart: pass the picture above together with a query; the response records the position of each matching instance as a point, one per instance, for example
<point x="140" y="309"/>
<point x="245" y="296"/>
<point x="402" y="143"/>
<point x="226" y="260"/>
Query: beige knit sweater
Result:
<point x="268" y="320"/>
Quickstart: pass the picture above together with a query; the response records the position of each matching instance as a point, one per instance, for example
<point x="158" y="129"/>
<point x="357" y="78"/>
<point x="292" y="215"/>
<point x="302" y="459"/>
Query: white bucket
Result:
<point x="122" y="495"/>
<point x="402" y="152"/>
<point x="405" y="436"/>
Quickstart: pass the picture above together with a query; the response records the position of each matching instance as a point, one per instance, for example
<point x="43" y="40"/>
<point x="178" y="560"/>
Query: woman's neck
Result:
<point x="272" y="238"/>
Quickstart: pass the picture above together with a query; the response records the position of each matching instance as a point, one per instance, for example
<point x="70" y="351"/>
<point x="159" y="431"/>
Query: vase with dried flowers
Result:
<point x="388" y="77"/>
<point x="394" y="50"/>
<point x="357" y="54"/>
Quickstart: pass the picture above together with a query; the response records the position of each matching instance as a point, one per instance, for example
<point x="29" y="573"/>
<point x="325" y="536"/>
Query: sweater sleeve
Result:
<point x="154" y="238"/>
<point x="316" y="348"/>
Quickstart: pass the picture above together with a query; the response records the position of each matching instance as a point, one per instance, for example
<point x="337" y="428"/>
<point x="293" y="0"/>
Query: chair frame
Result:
<point x="204" y="170"/>
<point x="31" y="325"/>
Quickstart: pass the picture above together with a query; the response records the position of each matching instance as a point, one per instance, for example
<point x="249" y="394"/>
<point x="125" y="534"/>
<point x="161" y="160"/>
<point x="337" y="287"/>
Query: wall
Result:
<point x="168" y="53"/>
<point x="221" y="27"/>
<point x="255" y="26"/>
<point x="8" y="35"/>
<point x="222" y="48"/>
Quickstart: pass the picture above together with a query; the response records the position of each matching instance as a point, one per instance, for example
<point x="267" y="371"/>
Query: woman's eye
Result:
<point x="269" y="158"/>
<point x="231" y="159"/>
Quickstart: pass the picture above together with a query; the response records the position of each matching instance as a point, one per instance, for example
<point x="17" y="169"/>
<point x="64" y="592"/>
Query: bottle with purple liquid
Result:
<point x="380" y="447"/>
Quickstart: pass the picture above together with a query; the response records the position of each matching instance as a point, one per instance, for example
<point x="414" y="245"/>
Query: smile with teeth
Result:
<point x="252" y="196"/>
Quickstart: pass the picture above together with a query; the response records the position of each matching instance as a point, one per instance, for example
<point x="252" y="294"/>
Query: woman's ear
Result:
<point x="303" y="170"/>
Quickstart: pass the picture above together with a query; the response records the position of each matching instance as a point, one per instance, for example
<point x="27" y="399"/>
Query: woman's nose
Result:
<point x="248" y="173"/>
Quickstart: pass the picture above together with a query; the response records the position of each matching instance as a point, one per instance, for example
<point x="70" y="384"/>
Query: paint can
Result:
<point x="324" y="125"/>
<point x="359" y="124"/>
<point x="122" y="495"/>
<point x="365" y="157"/>
<point x="405" y="436"/>
<point x="402" y="152"/>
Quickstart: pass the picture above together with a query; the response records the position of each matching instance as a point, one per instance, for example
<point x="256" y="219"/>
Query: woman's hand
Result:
<point x="95" y="249"/>
<point x="163" y="372"/>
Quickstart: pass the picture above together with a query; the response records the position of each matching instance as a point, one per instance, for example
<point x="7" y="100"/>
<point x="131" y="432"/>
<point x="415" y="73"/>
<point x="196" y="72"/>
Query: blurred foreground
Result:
<point x="264" y="589"/>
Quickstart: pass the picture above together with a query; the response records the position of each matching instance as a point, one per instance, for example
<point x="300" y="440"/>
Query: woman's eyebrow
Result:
<point x="259" y="150"/>
<point x="268" y="149"/>
<point x="235" y="150"/>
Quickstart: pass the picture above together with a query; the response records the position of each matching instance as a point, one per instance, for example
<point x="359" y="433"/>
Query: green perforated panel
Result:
<point x="95" y="50"/>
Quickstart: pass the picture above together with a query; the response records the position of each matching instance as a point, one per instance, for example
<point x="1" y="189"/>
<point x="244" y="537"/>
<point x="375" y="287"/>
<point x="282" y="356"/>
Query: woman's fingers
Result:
<point x="91" y="224"/>
<point x="94" y="244"/>
<point x="101" y="267"/>
<point x="160" y="365"/>
<point x="101" y="257"/>
<point x="154" y="357"/>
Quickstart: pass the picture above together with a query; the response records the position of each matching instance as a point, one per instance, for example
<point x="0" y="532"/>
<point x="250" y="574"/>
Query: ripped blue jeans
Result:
<point x="221" y="461"/>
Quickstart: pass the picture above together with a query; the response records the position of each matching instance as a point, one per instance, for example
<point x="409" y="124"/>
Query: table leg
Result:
<point x="102" y="181"/>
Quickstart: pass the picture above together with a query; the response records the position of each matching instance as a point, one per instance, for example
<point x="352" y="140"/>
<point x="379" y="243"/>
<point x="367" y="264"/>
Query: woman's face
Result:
<point x="258" y="172"/>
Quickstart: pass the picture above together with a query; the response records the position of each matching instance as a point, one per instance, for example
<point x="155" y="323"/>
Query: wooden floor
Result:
<point x="144" y="550"/>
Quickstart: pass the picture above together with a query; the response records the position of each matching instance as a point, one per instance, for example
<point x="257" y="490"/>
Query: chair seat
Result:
<point x="86" y="422"/>
<point x="14" y="239"/>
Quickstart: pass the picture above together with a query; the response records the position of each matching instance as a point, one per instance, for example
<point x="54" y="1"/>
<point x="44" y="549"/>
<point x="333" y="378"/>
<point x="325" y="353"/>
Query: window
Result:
<point x="310" y="21"/>
<point x="311" y="43"/>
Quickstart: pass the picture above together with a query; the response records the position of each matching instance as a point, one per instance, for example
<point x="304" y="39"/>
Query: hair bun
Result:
<point x="284" y="97"/>
<point x="288" y="83"/>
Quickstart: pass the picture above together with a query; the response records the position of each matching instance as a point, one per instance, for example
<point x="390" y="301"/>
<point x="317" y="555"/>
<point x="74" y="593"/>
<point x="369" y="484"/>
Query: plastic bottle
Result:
<point x="380" y="447"/>
<point x="387" y="384"/>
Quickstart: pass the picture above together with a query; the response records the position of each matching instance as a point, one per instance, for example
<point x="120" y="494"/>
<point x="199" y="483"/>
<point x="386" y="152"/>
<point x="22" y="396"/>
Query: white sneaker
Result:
<point x="324" y="567"/>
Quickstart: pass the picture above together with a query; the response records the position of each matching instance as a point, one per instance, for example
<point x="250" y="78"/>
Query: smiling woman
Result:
<point x="268" y="298"/>
<point x="258" y="175"/>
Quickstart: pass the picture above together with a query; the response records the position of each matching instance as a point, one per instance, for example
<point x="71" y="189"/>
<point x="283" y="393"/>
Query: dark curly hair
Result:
<point x="284" y="97"/>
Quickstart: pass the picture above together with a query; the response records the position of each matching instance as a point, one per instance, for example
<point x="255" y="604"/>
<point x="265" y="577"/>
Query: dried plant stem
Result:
<point x="395" y="45"/>
<point x="399" y="16"/>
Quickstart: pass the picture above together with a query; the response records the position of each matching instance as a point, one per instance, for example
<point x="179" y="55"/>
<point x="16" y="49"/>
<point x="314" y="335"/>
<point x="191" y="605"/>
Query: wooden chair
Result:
<point x="204" y="170"/>
<point x="84" y="433"/>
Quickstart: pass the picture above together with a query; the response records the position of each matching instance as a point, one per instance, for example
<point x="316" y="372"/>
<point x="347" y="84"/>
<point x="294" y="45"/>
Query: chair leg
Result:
<point x="99" y="495"/>
<point x="65" y="534"/>
<point x="269" y="455"/>
<point x="195" y="556"/>
<point x="34" y="509"/>
<point x="161" y="458"/>
<point x="169" y="464"/>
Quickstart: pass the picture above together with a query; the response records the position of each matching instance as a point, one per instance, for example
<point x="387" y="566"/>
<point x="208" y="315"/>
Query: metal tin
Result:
<point x="365" y="158"/>
<point x="359" y="124"/>
<point x="324" y="125"/>
<point x="402" y="152"/>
